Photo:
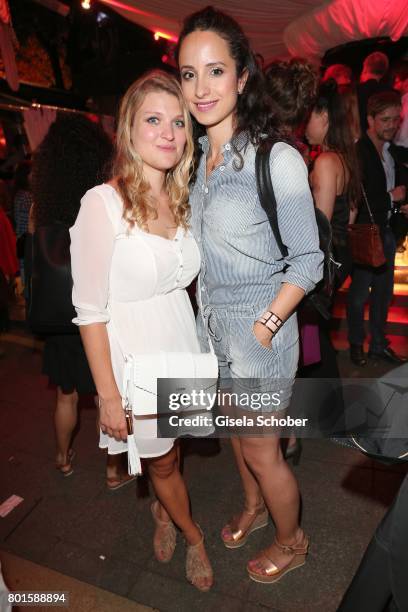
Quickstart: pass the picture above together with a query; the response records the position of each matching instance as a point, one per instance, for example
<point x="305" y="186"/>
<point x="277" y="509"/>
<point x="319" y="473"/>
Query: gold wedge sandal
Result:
<point x="271" y="573"/>
<point x="239" y="536"/>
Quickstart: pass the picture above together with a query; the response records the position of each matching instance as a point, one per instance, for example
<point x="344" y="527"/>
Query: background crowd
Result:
<point x="341" y="116"/>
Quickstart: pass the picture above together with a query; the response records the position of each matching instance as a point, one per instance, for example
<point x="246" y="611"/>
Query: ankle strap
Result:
<point x="192" y="546"/>
<point x="293" y="549"/>
<point x="258" y="509"/>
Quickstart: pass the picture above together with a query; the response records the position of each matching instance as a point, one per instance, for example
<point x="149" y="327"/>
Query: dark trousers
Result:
<point x="380" y="582"/>
<point x="381" y="282"/>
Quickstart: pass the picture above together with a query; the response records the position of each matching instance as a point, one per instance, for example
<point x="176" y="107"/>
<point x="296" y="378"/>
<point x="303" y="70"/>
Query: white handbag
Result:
<point x="139" y="393"/>
<point x="142" y="371"/>
<point x="139" y="388"/>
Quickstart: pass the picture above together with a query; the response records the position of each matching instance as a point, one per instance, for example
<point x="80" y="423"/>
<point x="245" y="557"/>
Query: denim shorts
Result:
<point x="246" y="367"/>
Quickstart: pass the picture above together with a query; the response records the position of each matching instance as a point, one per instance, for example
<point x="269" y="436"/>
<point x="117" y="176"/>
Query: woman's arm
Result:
<point x="296" y="218"/>
<point x="96" y="344"/>
<point x="353" y="215"/>
<point x="283" y="305"/>
<point x="324" y="183"/>
<point x="92" y="240"/>
<point x="298" y="228"/>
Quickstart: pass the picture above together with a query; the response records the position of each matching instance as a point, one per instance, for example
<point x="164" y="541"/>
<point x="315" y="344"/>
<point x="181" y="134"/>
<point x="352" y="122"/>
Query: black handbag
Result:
<point x="50" y="302"/>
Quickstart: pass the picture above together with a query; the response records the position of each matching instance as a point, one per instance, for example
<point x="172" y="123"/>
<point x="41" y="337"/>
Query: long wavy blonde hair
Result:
<point x="139" y="205"/>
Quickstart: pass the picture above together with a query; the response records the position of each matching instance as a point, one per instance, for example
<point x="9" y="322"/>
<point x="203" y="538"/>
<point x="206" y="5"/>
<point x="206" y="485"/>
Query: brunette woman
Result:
<point x="335" y="176"/>
<point x="247" y="292"/>
<point x="336" y="190"/>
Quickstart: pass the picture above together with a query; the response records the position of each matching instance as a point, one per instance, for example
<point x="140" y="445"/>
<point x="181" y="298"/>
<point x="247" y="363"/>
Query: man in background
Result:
<point x="372" y="81"/>
<point x="385" y="182"/>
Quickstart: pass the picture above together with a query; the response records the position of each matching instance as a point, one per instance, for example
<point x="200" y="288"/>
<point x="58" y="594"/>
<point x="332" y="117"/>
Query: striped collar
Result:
<point x="240" y="141"/>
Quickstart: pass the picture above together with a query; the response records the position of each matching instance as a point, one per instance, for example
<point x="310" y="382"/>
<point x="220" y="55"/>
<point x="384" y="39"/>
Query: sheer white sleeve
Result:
<point x="92" y="240"/>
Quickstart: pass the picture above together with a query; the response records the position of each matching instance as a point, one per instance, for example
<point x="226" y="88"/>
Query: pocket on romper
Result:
<point x="272" y="346"/>
<point x="249" y="358"/>
<point x="286" y="337"/>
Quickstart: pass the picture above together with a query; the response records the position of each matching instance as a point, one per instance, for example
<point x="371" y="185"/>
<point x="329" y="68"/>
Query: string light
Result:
<point x="86" y="4"/>
<point x="171" y="37"/>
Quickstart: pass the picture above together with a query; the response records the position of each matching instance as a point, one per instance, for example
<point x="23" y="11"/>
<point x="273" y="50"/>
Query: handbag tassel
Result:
<point x="134" y="463"/>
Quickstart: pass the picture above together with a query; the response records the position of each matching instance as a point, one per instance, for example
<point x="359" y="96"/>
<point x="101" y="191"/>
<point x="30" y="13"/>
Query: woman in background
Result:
<point x="74" y="156"/>
<point x="335" y="182"/>
<point x="335" y="177"/>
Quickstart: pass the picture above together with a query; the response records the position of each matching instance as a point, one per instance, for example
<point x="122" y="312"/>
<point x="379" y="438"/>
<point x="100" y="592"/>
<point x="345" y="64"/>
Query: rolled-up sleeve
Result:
<point x="296" y="218"/>
<point x="92" y="240"/>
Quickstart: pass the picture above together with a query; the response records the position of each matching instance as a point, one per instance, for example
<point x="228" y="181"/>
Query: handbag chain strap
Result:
<point x="367" y="204"/>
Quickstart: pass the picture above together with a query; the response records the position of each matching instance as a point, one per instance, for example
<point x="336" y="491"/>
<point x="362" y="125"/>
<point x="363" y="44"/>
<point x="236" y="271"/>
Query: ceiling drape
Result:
<point x="342" y="21"/>
<point x="263" y="20"/>
<point x="282" y="27"/>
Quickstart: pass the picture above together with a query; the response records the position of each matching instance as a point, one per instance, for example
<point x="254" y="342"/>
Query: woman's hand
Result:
<point x="262" y="334"/>
<point x="112" y="418"/>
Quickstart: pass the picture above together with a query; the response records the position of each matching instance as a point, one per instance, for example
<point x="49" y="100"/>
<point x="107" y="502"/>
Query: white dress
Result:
<point x="135" y="283"/>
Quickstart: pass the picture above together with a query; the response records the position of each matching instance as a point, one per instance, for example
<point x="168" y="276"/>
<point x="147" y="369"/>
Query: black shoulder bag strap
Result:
<point x="267" y="195"/>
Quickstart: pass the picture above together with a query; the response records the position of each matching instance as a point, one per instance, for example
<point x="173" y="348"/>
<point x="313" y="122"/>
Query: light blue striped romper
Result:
<point x="242" y="268"/>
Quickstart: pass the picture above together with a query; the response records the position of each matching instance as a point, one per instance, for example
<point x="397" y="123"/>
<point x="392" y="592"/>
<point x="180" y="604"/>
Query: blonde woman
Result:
<point x="132" y="257"/>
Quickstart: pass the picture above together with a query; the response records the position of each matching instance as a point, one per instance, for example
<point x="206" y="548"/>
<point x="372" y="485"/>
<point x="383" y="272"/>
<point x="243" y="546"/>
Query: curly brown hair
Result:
<point x="74" y="156"/>
<point x="291" y="87"/>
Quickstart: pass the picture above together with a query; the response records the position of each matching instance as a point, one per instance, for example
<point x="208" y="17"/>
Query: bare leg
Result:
<point x="252" y="493"/>
<point x="280" y="492"/>
<point x="116" y="472"/>
<point x="65" y="420"/>
<point x="162" y="514"/>
<point x="113" y="466"/>
<point x="171" y="491"/>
